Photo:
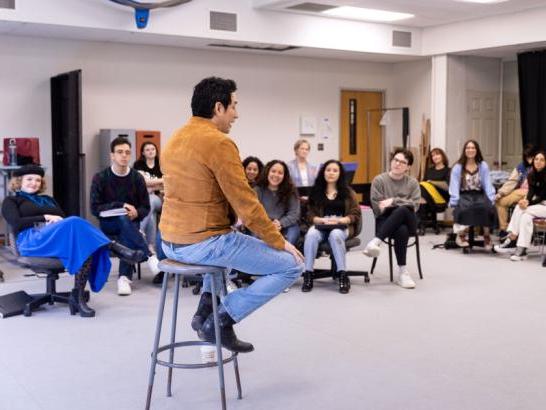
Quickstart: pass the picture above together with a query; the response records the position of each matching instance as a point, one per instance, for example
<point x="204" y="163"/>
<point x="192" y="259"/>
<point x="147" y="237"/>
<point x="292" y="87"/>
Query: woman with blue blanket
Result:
<point x="42" y="230"/>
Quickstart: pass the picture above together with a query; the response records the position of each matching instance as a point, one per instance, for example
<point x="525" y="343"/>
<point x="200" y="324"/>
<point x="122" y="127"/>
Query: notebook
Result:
<point x="113" y="212"/>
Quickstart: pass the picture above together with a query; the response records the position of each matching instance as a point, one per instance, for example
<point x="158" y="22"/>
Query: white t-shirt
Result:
<point x="304" y="177"/>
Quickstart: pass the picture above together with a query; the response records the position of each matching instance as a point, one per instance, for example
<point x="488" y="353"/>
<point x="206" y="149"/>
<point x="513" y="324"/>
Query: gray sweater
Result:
<point x="275" y="210"/>
<point x="404" y="191"/>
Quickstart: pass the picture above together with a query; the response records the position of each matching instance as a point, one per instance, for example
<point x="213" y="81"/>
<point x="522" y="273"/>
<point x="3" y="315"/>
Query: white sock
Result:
<point x="402" y="269"/>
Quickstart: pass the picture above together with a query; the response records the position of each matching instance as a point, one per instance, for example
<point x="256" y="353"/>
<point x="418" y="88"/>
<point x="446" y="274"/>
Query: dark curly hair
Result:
<point x="259" y="163"/>
<point x="208" y="92"/>
<point x="286" y="190"/>
<point x="318" y="191"/>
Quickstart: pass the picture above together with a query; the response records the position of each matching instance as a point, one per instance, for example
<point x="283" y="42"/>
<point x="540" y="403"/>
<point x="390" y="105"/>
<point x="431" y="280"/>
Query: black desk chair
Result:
<point x="390" y="243"/>
<point x="51" y="268"/>
<point x="324" y="247"/>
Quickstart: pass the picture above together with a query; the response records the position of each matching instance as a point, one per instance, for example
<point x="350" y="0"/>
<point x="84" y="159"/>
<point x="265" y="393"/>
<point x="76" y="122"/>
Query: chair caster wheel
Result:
<point x="196" y="290"/>
<point x="366" y="279"/>
<point x="466" y="251"/>
<point x="27" y="312"/>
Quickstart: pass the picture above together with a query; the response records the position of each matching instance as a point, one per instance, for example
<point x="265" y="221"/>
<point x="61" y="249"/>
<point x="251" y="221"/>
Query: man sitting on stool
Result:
<point x="205" y="187"/>
<point x="119" y="186"/>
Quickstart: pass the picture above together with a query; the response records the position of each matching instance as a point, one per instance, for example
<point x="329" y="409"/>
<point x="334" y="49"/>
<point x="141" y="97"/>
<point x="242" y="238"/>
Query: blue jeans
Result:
<point x="277" y="269"/>
<point x="127" y="233"/>
<point x="149" y="223"/>
<point x="291" y="233"/>
<point x="336" y="239"/>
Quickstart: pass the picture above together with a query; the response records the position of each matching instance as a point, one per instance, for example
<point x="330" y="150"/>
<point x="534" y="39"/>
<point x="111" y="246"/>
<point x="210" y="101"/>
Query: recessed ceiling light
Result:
<point x="360" y="13"/>
<point x="482" y="1"/>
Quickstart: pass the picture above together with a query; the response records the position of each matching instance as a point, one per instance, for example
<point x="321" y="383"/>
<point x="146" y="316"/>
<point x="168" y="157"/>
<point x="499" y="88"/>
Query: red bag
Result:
<point x="28" y="150"/>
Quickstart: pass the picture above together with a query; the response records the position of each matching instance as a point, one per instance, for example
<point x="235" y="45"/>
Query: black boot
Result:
<point x="127" y="254"/>
<point x="227" y="334"/>
<point x="344" y="282"/>
<point x="204" y="309"/>
<point x="77" y="301"/>
<point x="307" y="281"/>
<point x="158" y="279"/>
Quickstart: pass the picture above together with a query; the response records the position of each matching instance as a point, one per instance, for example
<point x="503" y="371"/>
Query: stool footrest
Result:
<point x="191" y="365"/>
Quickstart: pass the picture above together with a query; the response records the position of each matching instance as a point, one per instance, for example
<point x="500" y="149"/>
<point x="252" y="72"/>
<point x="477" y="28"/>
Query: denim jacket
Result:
<point x="455" y="183"/>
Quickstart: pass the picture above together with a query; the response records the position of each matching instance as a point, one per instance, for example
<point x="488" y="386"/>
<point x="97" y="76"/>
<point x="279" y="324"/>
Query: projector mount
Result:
<point x="142" y="9"/>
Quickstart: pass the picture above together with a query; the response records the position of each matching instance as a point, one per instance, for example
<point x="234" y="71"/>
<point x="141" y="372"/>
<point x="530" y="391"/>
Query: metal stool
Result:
<point x="187" y="271"/>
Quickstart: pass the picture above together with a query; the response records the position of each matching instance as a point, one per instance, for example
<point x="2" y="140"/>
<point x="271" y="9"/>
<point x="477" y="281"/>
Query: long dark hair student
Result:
<point x="319" y="188"/>
<point x="286" y="188"/>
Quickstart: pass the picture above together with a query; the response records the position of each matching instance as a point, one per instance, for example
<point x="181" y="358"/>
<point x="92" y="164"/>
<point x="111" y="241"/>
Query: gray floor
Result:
<point x="470" y="336"/>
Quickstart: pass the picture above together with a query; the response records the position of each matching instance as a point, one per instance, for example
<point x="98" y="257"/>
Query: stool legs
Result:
<point x="156" y="340"/>
<point x="219" y="358"/>
<point x="418" y="254"/>
<point x="173" y="332"/>
<point x="390" y="257"/>
<point x="235" y="362"/>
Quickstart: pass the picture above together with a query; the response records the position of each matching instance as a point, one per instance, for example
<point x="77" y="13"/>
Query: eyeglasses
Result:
<point x="400" y="161"/>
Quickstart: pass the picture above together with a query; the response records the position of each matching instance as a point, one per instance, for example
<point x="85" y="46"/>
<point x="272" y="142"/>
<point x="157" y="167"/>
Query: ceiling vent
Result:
<point x="401" y="38"/>
<point x="311" y="7"/>
<point x="7" y="4"/>
<point x="254" y="46"/>
<point x="223" y="21"/>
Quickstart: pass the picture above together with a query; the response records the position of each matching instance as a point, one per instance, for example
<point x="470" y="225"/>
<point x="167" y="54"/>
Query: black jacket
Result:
<point x="21" y="213"/>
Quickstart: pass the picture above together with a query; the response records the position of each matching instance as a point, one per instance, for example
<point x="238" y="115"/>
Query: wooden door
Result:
<point x="483" y="123"/>
<point x="511" y="132"/>
<point x="359" y="142"/>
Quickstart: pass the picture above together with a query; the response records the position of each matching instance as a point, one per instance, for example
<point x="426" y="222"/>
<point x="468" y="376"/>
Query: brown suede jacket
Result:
<point x="352" y="210"/>
<point x="205" y="186"/>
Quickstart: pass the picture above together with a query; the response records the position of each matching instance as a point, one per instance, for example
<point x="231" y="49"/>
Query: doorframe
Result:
<point x="383" y="92"/>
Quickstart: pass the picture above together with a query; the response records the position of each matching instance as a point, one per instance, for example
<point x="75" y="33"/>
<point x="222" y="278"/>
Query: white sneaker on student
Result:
<point x="372" y="249"/>
<point x="507" y="246"/>
<point x="520" y="255"/>
<point x="153" y="263"/>
<point x="405" y="281"/>
<point x="124" y="286"/>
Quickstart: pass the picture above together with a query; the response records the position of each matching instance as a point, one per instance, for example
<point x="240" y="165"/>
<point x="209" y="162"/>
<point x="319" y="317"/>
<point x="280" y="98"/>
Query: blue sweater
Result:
<point x="455" y="183"/>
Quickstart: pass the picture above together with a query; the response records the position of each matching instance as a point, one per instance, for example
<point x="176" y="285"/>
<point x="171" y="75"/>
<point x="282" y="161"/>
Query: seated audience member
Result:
<point x="472" y="195"/>
<point x="434" y="186"/>
<point x="280" y="199"/>
<point x="148" y="166"/>
<point x="438" y="171"/>
<point x="41" y="230"/>
<point x="395" y="200"/>
<point x="334" y="214"/>
<point x="253" y="169"/>
<point x="520" y="229"/>
<point x="514" y="189"/>
<point x="302" y="172"/>
<point x="119" y="186"/>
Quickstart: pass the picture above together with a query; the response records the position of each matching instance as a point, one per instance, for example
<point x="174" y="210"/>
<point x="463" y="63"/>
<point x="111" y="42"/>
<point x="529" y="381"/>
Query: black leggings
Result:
<point x="397" y="223"/>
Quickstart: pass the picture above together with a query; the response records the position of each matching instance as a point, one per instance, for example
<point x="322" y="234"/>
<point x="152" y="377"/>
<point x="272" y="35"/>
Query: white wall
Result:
<point x="465" y="74"/>
<point x="412" y="88"/>
<point x="149" y="87"/>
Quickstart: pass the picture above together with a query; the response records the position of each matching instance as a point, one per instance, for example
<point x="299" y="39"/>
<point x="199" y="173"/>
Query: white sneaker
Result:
<point x="153" y="263"/>
<point x="461" y="241"/>
<point x="507" y="246"/>
<point x="372" y="250"/>
<point x="230" y="286"/>
<point x="124" y="286"/>
<point x="405" y="281"/>
<point x="520" y="255"/>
